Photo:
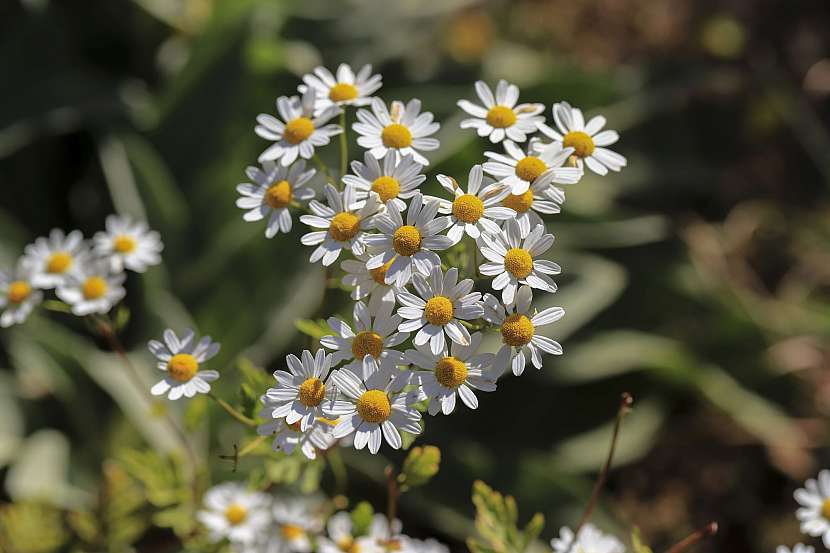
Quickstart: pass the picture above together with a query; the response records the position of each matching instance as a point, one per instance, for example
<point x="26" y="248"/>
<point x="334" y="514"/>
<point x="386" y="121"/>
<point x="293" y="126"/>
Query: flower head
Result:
<point x="55" y="258"/>
<point x="542" y="197"/>
<point x="302" y="389"/>
<point x="287" y="437"/>
<point x="128" y="244"/>
<point x="590" y="540"/>
<point x="814" y="512"/>
<point x="520" y="170"/>
<point x="403" y="129"/>
<point x="234" y="513"/>
<point x="18" y="294"/>
<point x="273" y="190"/>
<point x="340" y="537"/>
<point x="297" y="520"/>
<point x="398" y="179"/>
<point x="344" y="88"/>
<point x="475" y="211"/>
<point x="92" y="288"/>
<point x="501" y="117"/>
<point x="181" y="359"/>
<point x="366" y="282"/>
<point x="797" y="548"/>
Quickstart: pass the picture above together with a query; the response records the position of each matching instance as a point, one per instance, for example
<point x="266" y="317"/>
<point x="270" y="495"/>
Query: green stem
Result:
<point x="344" y="145"/>
<point x="233" y="412"/>
<point x="338" y="470"/>
<point x="323" y="169"/>
<point x="471" y="257"/>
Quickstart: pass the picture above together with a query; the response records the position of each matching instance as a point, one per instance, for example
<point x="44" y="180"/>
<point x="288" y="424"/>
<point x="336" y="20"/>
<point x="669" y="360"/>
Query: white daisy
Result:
<point x="443" y="304"/>
<point x="587" y="140"/>
<point x="431" y="545"/>
<point x="365" y="282"/>
<point x="342" y="89"/>
<point x="476" y="210"/>
<point x="301" y="389"/>
<point x="18" y="295"/>
<point x="519" y="331"/>
<point x="520" y="170"/>
<point x="814" y="512"/>
<point x="287" y="437"/>
<point x="54" y="258"/>
<point x="298" y="131"/>
<point x="234" y="513"/>
<point x="298" y="519"/>
<point x="590" y="540"/>
<point x="341" y="539"/>
<point x="345" y="221"/>
<point x="409" y="247"/>
<point x="92" y="288"/>
<point x="403" y="129"/>
<point x="398" y="179"/>
<point x="501" y="117"/>
<point x="453" y="373"/>
<point x="541" y="197"/>
<point x="181" y="358"/>
<point x="797" y="548"/>
<point x="273" y="190"/>
<point x="128" y="244"/>
<point x="514" y="260"/>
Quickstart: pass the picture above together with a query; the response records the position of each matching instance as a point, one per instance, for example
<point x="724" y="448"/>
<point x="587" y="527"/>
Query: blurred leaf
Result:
<point x="313" y="329"/>
<point x="420" y="466"/>
<point x="122" y="317"/>
<point x="496" y="519"/>
<point x="122" y="502"/>
<point x="11" y="420"/>
<point x="31" y="528"/>
<point x="637" y="544"/>
<point x="161" y="477"/>
<point x="362" y="516"/>
<point x="85" y="525"/>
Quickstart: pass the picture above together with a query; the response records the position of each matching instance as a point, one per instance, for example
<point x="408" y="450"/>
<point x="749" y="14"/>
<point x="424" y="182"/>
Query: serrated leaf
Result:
<point x="496" y="518"/>
<point x="420" y="466"/>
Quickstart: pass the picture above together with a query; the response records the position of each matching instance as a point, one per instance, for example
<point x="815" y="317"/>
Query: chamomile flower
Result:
<point x="501" y="117"/>
<point x="234" y="513"/>
<point x="476" y="210"/>
<point x="590" y="540"/>
<point x="519" y="330"/>
<point x="397" y="180"/>
<point x="814" y="512"/>
<point x="403" y="129"/>
<point x="439" y="307"/>
<point x="797" y="548"/>
<point x="298" y="519"/>
<point x="514" y="260"/>
<point x="181" y="359"/>
<point x="430" y="545"/>
<point x="93" y="288"/>
<point x="410" y="247"/>
<point x="287" y="437"/>
<point x="345" y="88"/>
<point x="587" y="140"/>
<point x="128" y="244"/>
<point x="541" y="197"/>
<point x="18" y="295"/>
<point x="298" y="130"/>
<point x="54" y="258"/>
<point x="520" y="170"/>
<point x="301" y="389"/>
<point x="454" y="373"/>
<point x="270" y="194"/>
<point x="340" y="537"/>
<point x="345" y="221"/>
<point x="365" y="282"/>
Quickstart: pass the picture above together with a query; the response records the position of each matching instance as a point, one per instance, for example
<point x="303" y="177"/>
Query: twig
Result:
<point x="700" y="534"/>
<point x="392" y="495"/>
<point x="247" y="421"/>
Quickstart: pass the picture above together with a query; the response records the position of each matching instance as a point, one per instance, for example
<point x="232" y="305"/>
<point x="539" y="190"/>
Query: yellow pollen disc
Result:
<point x="291" y="531"/>
<point x="407" y="240"/>
<point x="379" y="273"/>
<point x="825" y="509"/>
<point x="529" y="168"/>
<point x="235" y="514"/>
<point x="182" y="367"/>
<point x="312" y="392"/>
<point x="298" y="130"/>
<point x="450" y="372"/>
<point x="342" y="92"/>
<point x="344" y="226"/>
<point x="367" y="343"/>
<point x="18" y="291"/>
<point x="468" y="208"/>
<point x="518" y="262"/>
<point x="517" y="330"/>
<point x="519" y="202"/>
<point x="386" y="187"/>
<point x="396" y="136"/>
<point x="374" y="406"/>
<point x="500" y="117"/>
<point x="438" y="310"/>
<point x="348" y="545"/>
<point x="58" y="262"/>
<point x="581" y="142"/>
<point x="94" y="287"/>
<point x="123" y="244"/>
<point x="279" y="194"/>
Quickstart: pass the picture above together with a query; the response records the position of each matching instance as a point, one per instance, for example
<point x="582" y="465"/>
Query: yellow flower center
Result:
<point x="379" y="273"/>
<point x="374" y="406"/>
<point x="391" y="545"/>
<point x="396" y="136"/>
<point x="279" y="194"/>
<point x="825" y="509"/>
<point x="236" y="514"/>
<point x="348" y="545"/>
<point x="386" y="187"/>
<point x="529" y="168"/>
<point x="500" y="117"/>
<point x="291" y="531"/>
<point x="182" y="367"/>
<point x="123" y="244"/>
<point x="438" y="310"/>
<point x="518" y="262"/>
<point x="450" y="372"/>
<point x="519" y="202"/>
<point x="94" y="287"/>
<point x="342" y="92"/>
<point x="468" y="208"/>
<point x="18" y="291"/>
<point x="517" y="330"/>
<point x="407" y="240"/>
<point x="298" y="130"/>
<point x="344" y="226"/>
<point x="312" y="392"/>
<point x="367" y="343"/>
<point x="580" y="141"/>
<point x="58" y="262"/>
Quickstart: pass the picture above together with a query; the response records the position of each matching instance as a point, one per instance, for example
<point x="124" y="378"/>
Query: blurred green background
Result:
<point x="697" y="279"/>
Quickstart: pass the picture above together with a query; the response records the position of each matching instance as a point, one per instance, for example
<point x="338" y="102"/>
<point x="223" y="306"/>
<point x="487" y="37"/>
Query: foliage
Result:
<point x="496" y="522"/>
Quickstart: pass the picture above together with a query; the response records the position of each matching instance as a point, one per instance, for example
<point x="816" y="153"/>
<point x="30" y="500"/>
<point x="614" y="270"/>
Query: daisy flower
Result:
<point x="443" y="304"/>
<point x="476" y="210"/>
<point x="128" y="244"/>
<point x="403" y="129"/>
<point x="452" y="373"/>
<point x="340" y="538"/>
<point x="365" y="282"/>
<point x="587" y="140"/>
<point x="298" y="519"/>
<point x="93" y="288"/>
<point x="814" y="512"/>
<point x="501" y="117"/>
<point x="345" y="221"/>
<point x="300" y="390"/>
<point x="514" y="260"/>
<point x="287" y="437"/>
<point x="519" y="331"/>
<point x="181" y="358"/>
<point x="270" y="194"/>
<point x="234" y="513"/>
<point x="797" y="548"/>
<point x="54" y="258"/>
<point x="590" y="540"/>
<point x="345" y="88"/>
<point x="398" y="179"/>
<point x="519" y="170"/>
<point x="430" y="545"/>
<point x="18" y="295"/>
<point x="298" y="131"/>
<point x="541" y="197"/>
<point x="408" y="248"/>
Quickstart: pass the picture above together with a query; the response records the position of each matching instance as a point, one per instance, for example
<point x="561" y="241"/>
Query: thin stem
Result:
<point x="338" y="470"/>
<point x="471" y="257"/>
<point x="323" y="169"/>
<point x="700" y="534"/>
<point x="344" y="144"/>
<point x="247" y="421"/>
<point x="392" y="495"/>
<point x="252" y="445"/>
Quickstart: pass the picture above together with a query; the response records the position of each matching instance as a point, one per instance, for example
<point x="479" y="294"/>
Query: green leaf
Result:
<point x="637" y="544"/>
<point x="314" y="329"/>
<point x="420" y="466"/>
<point x="31" y="527"/>
<point x="496" y="519"/>
<point x="362" y="516"/>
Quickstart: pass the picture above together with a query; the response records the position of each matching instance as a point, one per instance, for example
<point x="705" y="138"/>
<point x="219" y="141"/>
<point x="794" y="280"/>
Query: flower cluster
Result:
<point x="814" y="510"/>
